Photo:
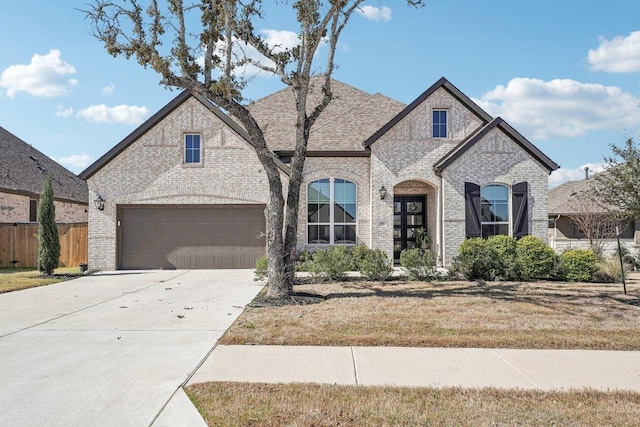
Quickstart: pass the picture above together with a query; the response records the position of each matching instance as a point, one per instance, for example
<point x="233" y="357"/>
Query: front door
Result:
<point x="409" y="219"/>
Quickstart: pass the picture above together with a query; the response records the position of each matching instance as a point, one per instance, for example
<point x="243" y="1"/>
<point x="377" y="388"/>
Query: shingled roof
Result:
<point x="351" y="117"/>
<point x="23" y="170"/>
<point x="560" y="197"/>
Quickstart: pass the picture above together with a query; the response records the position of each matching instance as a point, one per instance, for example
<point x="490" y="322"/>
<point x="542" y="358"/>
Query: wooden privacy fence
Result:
<point x="19" y="242"/>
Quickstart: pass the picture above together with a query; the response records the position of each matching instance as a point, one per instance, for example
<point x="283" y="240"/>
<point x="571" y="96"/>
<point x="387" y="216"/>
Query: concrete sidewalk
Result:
<point x="429" y="367"/>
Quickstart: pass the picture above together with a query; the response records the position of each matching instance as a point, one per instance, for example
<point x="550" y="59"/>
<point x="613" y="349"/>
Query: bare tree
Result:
<point x="201" y="46"/>
<point x="592" y="219"/>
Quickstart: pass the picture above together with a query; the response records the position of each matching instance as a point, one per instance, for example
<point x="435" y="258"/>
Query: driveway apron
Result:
<point x="111" y="348"/>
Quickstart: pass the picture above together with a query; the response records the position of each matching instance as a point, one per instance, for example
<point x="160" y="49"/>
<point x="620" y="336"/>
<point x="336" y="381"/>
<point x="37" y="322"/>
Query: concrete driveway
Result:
<point x="113" y="348"/>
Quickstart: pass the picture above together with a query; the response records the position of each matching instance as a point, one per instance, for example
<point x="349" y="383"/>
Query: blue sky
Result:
<point x="565" y="74"/>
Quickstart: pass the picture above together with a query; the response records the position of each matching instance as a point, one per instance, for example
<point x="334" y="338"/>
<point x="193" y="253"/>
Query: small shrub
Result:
<point x="303" y="260"/>
<point x="421" y="263"/>
<point x="536" y="259"/>
<point x="477" y="260"/>
<point x="506" y="262"/>
<point x="358" y="254"/>
<point x="331" y="263"/>
<point x="260" y="273"/>
<point x="375" y="265"/>
<point x="578" y="265"/>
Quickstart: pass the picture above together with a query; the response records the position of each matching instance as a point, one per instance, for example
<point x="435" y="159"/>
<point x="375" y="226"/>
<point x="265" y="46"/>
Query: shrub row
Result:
<point x="333" y="263"/>
<point x="529" y="258"/>
<point x="495" y="258"/>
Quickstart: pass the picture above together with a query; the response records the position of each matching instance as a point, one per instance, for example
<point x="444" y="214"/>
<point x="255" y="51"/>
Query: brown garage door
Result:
<point x="227" y="236"/>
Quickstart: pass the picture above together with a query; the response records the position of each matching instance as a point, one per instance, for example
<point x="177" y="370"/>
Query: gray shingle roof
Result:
<point x="23" y="169"/>
<point x="351" y="117"/>
<point x="560" y="197"/>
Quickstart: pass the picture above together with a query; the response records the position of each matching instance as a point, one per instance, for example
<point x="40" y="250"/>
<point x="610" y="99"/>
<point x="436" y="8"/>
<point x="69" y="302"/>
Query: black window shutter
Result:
<point x="519" y="209"/>
<point x="472" y="209"/>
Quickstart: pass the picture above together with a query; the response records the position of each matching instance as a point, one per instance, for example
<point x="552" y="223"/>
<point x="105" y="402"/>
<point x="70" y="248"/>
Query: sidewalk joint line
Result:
<point x="515" y="369"/>
<point x="355" y="366"/>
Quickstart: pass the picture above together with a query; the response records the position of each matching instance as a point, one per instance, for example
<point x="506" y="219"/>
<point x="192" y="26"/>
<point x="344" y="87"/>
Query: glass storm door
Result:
<point x="409" y="215"/>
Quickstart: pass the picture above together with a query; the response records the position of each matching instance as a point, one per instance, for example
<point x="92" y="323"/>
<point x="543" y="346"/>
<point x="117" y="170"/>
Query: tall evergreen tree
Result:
<point x="49" y="241"/>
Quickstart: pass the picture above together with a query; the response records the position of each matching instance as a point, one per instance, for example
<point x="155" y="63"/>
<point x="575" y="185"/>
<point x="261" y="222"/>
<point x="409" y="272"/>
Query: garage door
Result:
<point x="167" y="237"/>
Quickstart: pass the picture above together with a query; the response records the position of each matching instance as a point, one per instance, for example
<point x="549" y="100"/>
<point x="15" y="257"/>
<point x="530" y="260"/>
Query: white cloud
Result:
<point x="108" y="89"/>
<point x="44" y="76"/>
<point x="128" y="114"/>
<point x="618" y="55"/>
<point x="76" y="161"/>
<point x="372" y="13"/>
<point x="276" y="40"/>
<point x="62" y="111"/>
<point x="561" y="108"/>
<point x="563" y="175"/>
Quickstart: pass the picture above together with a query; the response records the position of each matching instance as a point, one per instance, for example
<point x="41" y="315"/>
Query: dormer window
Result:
<point x="192" y="149"/>
<point x="439" y="123"/>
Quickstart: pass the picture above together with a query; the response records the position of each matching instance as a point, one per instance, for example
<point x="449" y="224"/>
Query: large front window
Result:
<point x="495" y="210"/>
<point x="331" y="212"/>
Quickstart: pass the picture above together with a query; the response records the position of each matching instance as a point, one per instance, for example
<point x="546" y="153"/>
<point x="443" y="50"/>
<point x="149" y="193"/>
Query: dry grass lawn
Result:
<point x="15" y="279"/>
<point x="242" y="404"/>
<point x="546" y="315"/>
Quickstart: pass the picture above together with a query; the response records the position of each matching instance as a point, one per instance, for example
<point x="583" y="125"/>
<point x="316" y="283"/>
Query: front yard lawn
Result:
<point x="545" y="315"/>
<point x="14" y="279"/>
<point x="242" y="404"/>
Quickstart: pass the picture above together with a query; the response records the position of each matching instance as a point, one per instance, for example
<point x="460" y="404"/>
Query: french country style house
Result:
<point x="186" y="189"/>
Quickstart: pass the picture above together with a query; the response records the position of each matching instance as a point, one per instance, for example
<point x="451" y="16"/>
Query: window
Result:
<point x="495" y="210"/>
<point x="192" y="153"/>
<point x="331" y="212"/>
<point x="33" y="210"/>
<point x="439" y="123"/>
<point x="491" y="210"/>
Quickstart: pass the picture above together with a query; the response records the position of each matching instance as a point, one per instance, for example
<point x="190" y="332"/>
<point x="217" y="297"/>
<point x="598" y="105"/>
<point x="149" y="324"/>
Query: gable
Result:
<point x="447" y="96"/>
<point x="497" y="148"/>
<point x="228" y="126"/>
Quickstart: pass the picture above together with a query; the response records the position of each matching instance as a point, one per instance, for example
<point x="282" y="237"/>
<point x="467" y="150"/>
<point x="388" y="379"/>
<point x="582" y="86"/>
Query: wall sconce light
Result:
<point x="383" y="192"/>
<point x="99" y="203"/>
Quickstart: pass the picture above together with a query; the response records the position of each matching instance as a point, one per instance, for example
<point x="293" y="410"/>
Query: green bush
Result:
<point x="578" y="265"/>
<point x="421" y="263"/>
<point x="536" y="259"/>
<point x="358" y="254"/>
<point x="477" y="260"/>
<point x="261" y="273"/>
<point x="374" y="265"/>
<point x="331" y="263"/>
<point x="506" y="262"/>
<point x="303" y="260"/>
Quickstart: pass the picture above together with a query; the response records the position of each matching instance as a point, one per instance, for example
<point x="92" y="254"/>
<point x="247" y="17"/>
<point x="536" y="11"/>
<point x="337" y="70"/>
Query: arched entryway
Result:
<point x="414" y="216"/>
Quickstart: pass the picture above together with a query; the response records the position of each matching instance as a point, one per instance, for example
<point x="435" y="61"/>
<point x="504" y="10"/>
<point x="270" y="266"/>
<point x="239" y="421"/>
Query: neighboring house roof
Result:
<point x="155" y="119"/>
<point x="351" y="117"/>
<point x="560" y="198"/>
<point x="23" y="170"/>
<point x="441" y="83"/>
<point x="499" y="123"/>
